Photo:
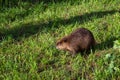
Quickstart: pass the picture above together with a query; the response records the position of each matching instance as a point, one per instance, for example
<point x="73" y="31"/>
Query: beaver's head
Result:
<point x="62" y="44"/>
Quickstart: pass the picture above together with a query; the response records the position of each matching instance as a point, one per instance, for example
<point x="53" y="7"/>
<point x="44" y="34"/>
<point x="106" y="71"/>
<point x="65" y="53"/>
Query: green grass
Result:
<point x="28" y="34"/>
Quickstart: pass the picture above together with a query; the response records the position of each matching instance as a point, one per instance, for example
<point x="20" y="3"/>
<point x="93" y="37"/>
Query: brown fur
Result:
<point x="78" y="41"/>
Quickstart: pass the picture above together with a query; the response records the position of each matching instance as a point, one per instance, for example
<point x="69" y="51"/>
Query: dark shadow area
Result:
<point x="16" y="3"/>
<point x="108" y="43"/>
<point x="27" y="30"/>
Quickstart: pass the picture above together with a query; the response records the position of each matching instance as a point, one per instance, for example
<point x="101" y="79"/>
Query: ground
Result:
<point x="28" y="34"/>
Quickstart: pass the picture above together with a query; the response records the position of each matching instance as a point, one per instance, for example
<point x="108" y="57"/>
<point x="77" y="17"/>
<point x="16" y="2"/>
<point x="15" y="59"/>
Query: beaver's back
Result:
<point x="81" y="39"/>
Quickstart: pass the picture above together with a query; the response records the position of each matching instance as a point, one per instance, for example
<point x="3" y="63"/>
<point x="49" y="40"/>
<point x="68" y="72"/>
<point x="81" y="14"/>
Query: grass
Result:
<point x="28" y="34"/>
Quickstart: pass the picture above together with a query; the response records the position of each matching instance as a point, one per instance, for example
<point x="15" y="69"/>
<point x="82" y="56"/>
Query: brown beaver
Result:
<point x="78" y="41"/>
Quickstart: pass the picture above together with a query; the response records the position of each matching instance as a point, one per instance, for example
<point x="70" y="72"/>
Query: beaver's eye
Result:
<point x="65" y="40"/>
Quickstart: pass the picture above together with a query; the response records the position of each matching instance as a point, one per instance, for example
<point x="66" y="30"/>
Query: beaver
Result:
<point x="80" y="40"/>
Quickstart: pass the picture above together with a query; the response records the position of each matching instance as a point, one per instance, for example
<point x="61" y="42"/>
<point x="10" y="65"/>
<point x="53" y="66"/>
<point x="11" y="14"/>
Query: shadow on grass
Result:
<point x="26" y="30"/>
<point x="108" y="43"/>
